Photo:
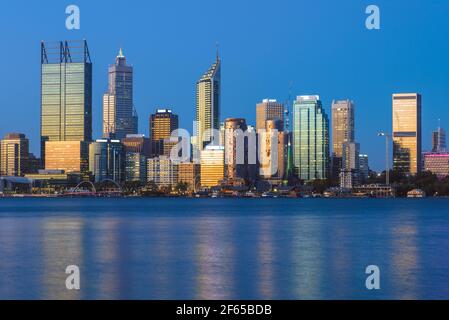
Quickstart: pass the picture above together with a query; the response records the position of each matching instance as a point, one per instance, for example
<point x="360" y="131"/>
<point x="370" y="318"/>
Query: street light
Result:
<point x="387" y="155"/>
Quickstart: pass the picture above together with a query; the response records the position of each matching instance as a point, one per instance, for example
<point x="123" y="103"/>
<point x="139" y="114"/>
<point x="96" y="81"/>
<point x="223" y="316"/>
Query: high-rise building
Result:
<point x="162" y="171"/>
<point x="162" y="124"/>
<point x="212" y="166"/>
<point x="107" y="160"/>
<point x="136" y="167"/>
<point x="68" y="156"/>
<point x="364" y="167"/>
<point x="342" y="125"/>
<point x="119" y="115"/>
<point x="268" y="109"/>
<point x="407" y="133"/>
<point x="14" y="155"/>
<point x="439" y="140"/>
<point x="208" y="104"/>
<point x="236" y="149"/>
<point x="66" y="93"/>
<point x="310" y="139"/>
<point x="189" y="173"/>
<point x="273" y="157"/>
<point x="349" y="176"/>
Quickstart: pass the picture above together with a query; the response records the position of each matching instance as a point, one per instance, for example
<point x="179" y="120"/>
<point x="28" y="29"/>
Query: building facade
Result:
<point x="208" y="105"/>
<point x="349" y="176"/>
<point x="14" y="155"/>
<point x="162" y="172"/>
<point x="310" y="139"/>
<point x="407" y="133"/>
<point x="269" y="109"/>
<point x="66" y="93"/>
<point x="107" y="160"/>
<point x="162" y="124"/>
<point x="119" y="116"/>
<point x="236" y="149"/>
<point x="135" y="167"/>
<point x="189" y="173"/>
<point x="342" y="125"/>
<point x="212" y="166"/>
<point x="68" y="156"/>
<point x="273" y="143"/>
<point x="439" y="141"/>
<point x="437" y="163"/>
<point x="364" y="167"/>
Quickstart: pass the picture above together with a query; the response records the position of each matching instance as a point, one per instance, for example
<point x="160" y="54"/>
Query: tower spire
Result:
<point x="217" y="45"/>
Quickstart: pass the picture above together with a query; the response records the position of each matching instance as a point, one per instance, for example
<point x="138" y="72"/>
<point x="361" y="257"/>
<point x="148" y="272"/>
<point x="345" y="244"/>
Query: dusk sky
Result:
<point x="321" y="46"/>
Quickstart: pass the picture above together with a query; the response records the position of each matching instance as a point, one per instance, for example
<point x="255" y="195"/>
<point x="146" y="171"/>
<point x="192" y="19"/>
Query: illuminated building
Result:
<point x="364" y="167"/>
<point x="273" y="158"/>
<point x="439" y="140"/>
<point x="68" y="156"/>
<point x="162" y="124"/>
<point x="66" y="93"/>
<point x="14" y="155"/>
<point x="349" y="176"/>
<point x="310" y="139"/>
<point x="119" y="116"/>
<point x="189" y="173"/>
<point x="162" y="171"/>
<point x="136" y="167"/>
<point x="342" y="125"/>
<point x="137" y="143"/>
<point x="236" y="159"/>
<point x="269" y="109"/>
<point x="437" y="163"/>
<point x="212" y="166"/>
<point x="208" y="104"/>
<point x="407" y="133"/>
<point x="107" y="160"/>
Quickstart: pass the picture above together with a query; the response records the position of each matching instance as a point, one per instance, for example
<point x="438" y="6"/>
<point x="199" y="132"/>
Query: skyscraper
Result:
<point x="310" y="138"/>
<point x="268" y="109"/>
<point x="107" y="160"/>
<point x="407" y="133"/>
<point x="273" y="157"/>
<point x="14" y="155"/>
<point x="208" y="104"/>
<point x="236" y="159"/>
<point x="68" y="156"/>
<point x="349" y="176"/>
<point x="364" y="167"/>
<point x="66" y="92"/>
<point x="119" y="116"/>
<point x="162" y="124"/>
<point x="439" y="140"/>
<point x="342" y="125"/>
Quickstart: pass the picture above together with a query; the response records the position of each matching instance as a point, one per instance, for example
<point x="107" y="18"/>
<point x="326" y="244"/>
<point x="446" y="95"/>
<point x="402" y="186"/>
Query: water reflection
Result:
<point x="312" y="252"/>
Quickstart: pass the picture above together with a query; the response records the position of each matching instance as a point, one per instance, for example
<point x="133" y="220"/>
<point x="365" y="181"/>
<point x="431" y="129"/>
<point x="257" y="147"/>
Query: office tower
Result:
<point x="310" y="139"/>
<point x="212" y="166"/>
<point x="34" y="163"/>
<point x="189" y="173"/>
<point x="107" y="160"/>
<point x="272" y="158"/>
<point x="68" y="156"/>
<point x="364" y="167"/>
<point x="14" y="155"/>
<point x="349" y="176"/>
<point x="342" y="125"/>
<point x="135" y="167"/>
<point x="66" y="93"/>
<point x="407" y="133"/>
<point x="439" y="140"/>
<point x="137" y="143"/>
<point x="162" y="171"/>
<point x="236" y="149"/>
<point x="162" y="124"/>
<point x="119" y="116"/>
<point x="268" y="109"/>
<point x="208" y="104"/>
<point x="437" y="163"/>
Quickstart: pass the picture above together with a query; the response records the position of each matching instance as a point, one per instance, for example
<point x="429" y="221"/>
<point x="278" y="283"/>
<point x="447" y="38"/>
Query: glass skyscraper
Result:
<point x="66" y="92"/>
<point x="310" y="139"/>
<point x="119" y="116"/>
<point x="342" y="125"/>
<point x="208" y="96"/>
<point x="107" y="160"/>
<point x="407" y="133"/>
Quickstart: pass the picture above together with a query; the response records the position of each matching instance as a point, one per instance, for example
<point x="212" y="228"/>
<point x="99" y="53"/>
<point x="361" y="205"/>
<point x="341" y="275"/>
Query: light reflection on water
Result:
<point x="223" y="249"/>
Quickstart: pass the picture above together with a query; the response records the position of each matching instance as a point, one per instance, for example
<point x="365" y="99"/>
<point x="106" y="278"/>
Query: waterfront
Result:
<point x="169" y="248"/>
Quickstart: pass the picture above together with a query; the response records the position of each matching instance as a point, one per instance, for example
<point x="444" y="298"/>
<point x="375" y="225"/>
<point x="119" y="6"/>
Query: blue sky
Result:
<point x="321" y="46"/>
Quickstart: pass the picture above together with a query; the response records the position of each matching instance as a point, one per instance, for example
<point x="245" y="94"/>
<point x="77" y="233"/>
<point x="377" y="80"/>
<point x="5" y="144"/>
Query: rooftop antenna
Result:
<point x="217" y="45"/>
<point x="288" y="107"/>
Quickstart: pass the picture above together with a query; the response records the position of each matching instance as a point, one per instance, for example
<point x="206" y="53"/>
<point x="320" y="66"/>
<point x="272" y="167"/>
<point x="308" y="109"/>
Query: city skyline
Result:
<point x="252" y="72"/>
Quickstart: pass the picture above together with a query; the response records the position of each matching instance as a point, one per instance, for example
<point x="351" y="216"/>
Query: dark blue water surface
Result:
<point x="224" y="248"/>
